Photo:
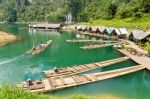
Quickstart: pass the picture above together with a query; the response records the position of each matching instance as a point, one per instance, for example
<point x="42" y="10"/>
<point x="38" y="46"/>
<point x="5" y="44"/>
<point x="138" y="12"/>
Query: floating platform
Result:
<point x="84" y="41"/>
<point x="98" y="46"/>
<point x="35" y="52"/>
<point x="46" y="26"/>
<point x="142" y="60"/>
<point x="52" y="84"/>
<point x="82" y="68"/>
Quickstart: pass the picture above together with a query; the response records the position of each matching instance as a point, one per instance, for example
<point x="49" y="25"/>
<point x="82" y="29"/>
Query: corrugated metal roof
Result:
<point x="140" y="34"/>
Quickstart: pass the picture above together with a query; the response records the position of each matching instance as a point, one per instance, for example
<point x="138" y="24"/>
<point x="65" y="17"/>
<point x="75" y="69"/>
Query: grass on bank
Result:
<point x="131" y="23"/>
<point x="11" y="92"/>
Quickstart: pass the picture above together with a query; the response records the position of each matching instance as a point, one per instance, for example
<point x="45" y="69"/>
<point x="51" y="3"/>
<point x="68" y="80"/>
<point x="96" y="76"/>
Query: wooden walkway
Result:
<point x="83" y="68"/>
<point x="97" y="46"/>
<point x="142" y="60"/>
<point x="84" y="41"/>
<point x="51" y="84"/>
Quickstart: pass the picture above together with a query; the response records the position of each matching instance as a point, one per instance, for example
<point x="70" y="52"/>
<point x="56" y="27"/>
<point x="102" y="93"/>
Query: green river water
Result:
<point x="16" y="67"/>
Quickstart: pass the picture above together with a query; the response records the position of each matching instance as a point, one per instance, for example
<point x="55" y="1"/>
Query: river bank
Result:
<point x="6" y="38"/>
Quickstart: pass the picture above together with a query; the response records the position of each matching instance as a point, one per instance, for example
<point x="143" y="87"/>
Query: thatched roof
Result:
<point x="140" y="34"/>
<point x="79" y="27"/>
<point x="101" y="29"/>
<point x="84" y="28"/>
<point x="93" y="28"/>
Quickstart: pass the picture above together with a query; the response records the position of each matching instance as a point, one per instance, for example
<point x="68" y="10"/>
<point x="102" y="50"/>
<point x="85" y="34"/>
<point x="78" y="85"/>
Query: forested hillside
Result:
<point x="32" y="10"/>
<point x="82" y="10"/>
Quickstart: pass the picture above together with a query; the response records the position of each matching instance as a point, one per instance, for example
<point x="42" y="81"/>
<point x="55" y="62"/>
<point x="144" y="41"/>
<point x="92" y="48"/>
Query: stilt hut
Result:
<point x="109" y="30"/>
<point x="85" y="28"/>
<point x="93" y="29"/>
<point x="139" y="35"/>
<point x="124" y="32"/>
<point x="79" y="28"/>
<point x="116" y="33"/>
<point x="100" y="30"/>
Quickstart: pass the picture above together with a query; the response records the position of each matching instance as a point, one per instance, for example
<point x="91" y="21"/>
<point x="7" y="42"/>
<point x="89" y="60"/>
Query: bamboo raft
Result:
<point x="45" y="45"/>
<point x="51" y="84"/>
<point x="82" y="68"/>
<point x="98" y="46"/>
<point x="84" y="41"/>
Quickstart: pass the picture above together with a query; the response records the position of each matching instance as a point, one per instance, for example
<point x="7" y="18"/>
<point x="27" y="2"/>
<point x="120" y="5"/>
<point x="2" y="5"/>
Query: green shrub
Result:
<point x="11" y="92"/>
<point x="138" y="15"/>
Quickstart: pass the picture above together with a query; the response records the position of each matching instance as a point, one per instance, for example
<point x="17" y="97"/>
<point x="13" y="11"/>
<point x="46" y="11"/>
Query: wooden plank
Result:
<point x="88" y="78"/>
<point x="93" y="77"/>
<point x="84" y="67"/>
<point x="62" y="79"/>
<point x="76" y="68"/>
<point x="88" y="66"/>
<point x="99" y="65"/>
<point x="51" y="83"/>
<point x="76" y="80"/>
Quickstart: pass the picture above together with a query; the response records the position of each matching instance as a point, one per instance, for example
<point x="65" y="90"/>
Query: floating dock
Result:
<point x="98" y="46"/>
<point x="52" y="84"/>
<point x="142" y="60"/>
<point x="84" y="41"/>
<point x="46" y="26"/>
<point x="83" y="68"/>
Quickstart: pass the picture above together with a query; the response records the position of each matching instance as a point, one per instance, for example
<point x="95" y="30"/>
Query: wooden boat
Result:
<point x="82" y="68"/>
<point x="57" y="83"/>
<point x="37" y="51"/>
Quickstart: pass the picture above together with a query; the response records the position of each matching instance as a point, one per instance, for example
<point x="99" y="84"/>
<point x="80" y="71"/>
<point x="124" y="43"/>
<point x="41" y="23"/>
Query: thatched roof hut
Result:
<point x="139" y="35"/>
<point x="116" y="32"/>
<point x="79" y="28"/>
<point x="93" y="29"/>
<point x="82" y="28"/>
<point x="109" y="30"/>
<point x="101" y="29"/>
<point x="123" y="31"/>
<point x="85" y="28"/>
